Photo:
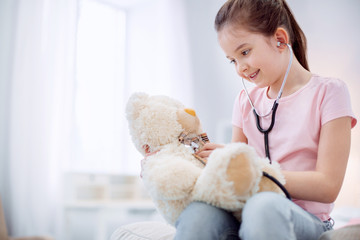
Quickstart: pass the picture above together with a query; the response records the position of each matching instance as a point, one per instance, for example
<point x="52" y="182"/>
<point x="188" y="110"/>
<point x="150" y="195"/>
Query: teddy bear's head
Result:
<point x="158" y="120"/>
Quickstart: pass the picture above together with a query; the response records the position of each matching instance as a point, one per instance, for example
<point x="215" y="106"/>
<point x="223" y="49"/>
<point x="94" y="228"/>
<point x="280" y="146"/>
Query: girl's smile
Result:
<point x="253" y="76"/>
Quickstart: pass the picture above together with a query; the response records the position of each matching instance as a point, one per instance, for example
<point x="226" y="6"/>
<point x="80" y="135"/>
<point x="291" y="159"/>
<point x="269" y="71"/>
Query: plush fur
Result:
<point x="174" y="177"/>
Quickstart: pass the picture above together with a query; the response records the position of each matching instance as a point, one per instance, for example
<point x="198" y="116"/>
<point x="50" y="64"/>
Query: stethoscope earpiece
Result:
<point x="281" y="43"/>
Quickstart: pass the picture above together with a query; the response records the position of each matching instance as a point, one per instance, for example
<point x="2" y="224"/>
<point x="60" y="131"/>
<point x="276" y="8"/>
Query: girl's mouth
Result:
<point x="253" y="76"/>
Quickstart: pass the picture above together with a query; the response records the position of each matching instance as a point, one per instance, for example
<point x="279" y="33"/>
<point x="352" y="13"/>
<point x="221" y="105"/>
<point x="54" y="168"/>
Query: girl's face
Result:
<point x="255" y="56"/>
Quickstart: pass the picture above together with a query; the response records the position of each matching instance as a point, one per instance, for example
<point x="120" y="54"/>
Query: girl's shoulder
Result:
<point x="327" y="82"/>
<point x="319" y="86"/>
<point x="333" y="95"/>
<point x="328" y="88"/>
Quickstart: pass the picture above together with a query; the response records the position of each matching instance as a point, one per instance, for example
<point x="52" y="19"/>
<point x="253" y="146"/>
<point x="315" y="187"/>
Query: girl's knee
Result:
<point x="209" y="222"/>
<point x="264" y="203"/>
<point x="194" y="210"/>
<point x="263" y="199"/>
<point x="267" y="210"/>
<point x="203" y="214"/>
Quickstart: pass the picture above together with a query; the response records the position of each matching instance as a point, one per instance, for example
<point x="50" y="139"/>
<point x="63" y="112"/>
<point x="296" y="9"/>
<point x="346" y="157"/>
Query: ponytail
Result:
<point x="298" y="38"/>
<point x="264" y="16"/>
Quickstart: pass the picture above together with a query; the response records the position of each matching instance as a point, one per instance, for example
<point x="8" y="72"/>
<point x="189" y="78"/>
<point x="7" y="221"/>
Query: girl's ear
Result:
<point x="282" y="36"/>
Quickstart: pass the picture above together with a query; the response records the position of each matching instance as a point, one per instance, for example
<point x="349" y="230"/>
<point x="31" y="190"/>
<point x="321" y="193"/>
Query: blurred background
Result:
<point x="68" y="168"/>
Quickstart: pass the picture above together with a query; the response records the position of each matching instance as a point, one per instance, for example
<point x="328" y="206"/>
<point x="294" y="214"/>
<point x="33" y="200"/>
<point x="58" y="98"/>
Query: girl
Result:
<point x="311" y="134"/>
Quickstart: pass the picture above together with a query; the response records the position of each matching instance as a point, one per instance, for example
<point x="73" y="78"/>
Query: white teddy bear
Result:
<point x="174" y="176"/>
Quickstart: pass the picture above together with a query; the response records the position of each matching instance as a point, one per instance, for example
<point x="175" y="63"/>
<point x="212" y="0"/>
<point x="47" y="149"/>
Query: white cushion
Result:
<point x="150" y="230"/>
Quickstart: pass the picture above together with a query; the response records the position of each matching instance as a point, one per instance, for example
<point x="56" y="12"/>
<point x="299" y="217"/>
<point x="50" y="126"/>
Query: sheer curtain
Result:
<point x="37" y="114"/>
<point x="100" y="77"/>
<point x="40" y="111"/>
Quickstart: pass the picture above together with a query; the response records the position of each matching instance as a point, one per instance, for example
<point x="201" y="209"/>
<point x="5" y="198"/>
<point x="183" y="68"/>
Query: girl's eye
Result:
<point x="232" y="61"/>
<point x="246" y="52"/>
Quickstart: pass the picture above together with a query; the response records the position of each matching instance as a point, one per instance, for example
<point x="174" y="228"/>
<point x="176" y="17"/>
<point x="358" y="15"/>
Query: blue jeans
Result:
<point x="266" y="215"/>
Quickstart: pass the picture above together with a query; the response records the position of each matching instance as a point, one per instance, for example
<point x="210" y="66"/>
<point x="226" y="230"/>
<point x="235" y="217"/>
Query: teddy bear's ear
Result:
<point x="135" y="104"/>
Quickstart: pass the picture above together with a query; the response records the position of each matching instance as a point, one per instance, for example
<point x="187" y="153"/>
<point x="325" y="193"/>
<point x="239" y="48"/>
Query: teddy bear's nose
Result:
<point x="190" y="111"/>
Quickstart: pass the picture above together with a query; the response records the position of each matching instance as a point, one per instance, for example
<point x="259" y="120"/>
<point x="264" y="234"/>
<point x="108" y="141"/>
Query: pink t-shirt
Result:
<point x="294" y="139"/>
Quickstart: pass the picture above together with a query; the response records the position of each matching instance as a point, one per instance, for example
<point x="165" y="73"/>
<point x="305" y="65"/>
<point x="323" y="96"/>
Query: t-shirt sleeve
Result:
<point x="336" y="103"/>
<point x="236" y="115"/>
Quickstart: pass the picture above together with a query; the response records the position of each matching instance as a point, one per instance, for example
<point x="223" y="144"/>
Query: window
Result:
<point x="100" y="79"/>
<point x="124" y="47"/>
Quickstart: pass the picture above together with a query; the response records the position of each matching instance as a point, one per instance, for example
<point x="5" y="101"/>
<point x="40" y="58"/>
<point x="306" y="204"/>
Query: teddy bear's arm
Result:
<point x="170" y="177"/>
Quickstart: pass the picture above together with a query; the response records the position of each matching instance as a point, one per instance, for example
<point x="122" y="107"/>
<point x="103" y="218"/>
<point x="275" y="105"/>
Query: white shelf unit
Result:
<point x="97" y="204"/>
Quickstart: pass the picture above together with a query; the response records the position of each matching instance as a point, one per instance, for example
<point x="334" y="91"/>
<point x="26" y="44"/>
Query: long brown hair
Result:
<point x="264" y="16"/>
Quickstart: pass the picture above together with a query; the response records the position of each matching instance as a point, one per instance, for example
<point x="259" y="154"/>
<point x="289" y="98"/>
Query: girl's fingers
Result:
<point x="207" y="149"/>
<point x="204" y="154"/>
<point x="211" y="146"/>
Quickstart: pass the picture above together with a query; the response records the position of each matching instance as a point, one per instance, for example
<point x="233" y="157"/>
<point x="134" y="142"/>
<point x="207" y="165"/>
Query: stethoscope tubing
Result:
<point x="266" y="131"/>
<point x="272" y="110"/>
<point x="273" y="115"/>
<point x="287" y="194"/>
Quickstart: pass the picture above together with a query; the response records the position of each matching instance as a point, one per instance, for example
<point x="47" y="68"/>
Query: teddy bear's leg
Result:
<point x="241" y="173"/>
<point x="230" y="177"/>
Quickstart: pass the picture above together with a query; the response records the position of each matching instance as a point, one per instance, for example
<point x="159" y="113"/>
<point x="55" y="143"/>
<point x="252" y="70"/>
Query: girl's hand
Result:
<point x="207" y="149"/>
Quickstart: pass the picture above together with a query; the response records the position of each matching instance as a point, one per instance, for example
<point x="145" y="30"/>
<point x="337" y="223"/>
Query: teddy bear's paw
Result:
<point x="230" y="177"/>
<point x="243" y="174"/>
<point x="243" y="169"/>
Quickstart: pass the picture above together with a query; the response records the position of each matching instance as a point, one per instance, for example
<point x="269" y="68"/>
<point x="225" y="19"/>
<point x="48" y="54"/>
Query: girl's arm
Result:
<point x="238" y="135"/>
<point x="323" y="184"/>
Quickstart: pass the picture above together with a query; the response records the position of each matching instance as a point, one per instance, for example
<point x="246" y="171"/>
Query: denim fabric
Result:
<point x="202" y="221"/>
<point x="266" y="215"/>
<point x="279" y="219"/>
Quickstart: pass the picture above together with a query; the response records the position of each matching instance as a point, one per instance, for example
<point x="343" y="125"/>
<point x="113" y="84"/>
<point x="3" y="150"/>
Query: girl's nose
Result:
<point x="241" y="69"/>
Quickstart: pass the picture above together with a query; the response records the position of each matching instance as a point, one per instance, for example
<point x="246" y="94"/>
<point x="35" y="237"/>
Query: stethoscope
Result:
<point x="273" y="109"/>
<point x="273" y="114"/>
